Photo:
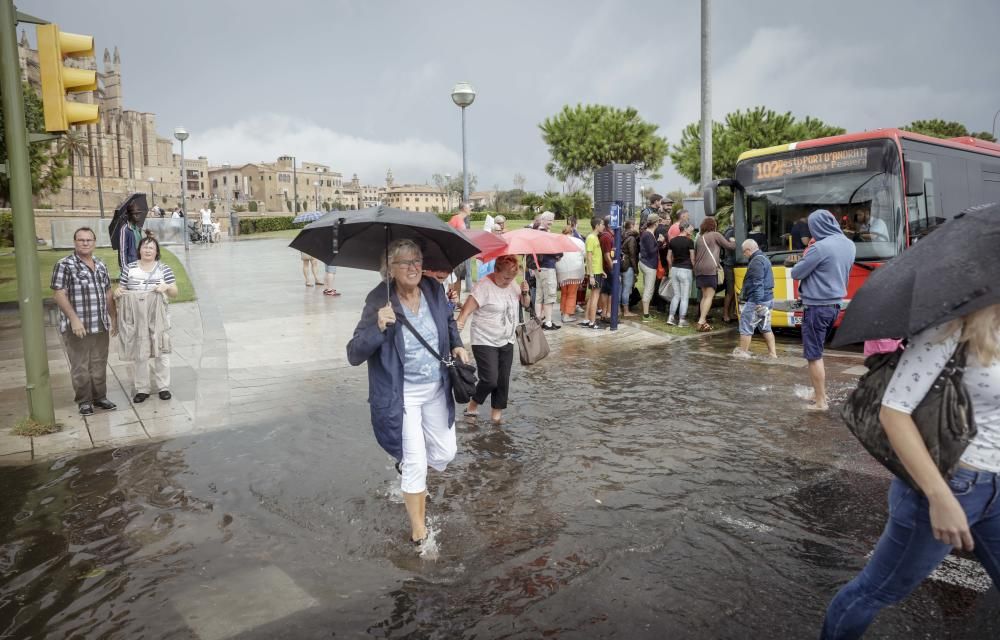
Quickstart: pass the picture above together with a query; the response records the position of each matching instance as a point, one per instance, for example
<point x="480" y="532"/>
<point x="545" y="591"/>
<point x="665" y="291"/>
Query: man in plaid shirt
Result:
<point x="80" y="286"/>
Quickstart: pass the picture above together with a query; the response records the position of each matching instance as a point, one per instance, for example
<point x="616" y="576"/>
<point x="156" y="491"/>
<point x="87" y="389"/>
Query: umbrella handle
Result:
<point x="386" y="276"/>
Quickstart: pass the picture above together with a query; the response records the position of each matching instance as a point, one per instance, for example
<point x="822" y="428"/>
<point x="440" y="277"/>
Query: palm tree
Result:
<point x="74" y="144"/>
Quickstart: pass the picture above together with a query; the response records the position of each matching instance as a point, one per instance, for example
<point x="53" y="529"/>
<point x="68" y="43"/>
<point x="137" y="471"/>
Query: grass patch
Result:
<point x="47" y="259"/>
<point x="32" y="429"/>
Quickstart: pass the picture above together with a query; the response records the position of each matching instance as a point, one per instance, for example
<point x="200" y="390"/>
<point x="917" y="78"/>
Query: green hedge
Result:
<point x="480" y="216"/>
<point x="6" y="229"/>
<point x="260" y="225"/>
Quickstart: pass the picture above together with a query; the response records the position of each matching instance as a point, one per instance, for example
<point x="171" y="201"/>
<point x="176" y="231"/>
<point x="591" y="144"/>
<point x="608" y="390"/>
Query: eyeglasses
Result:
<point x="410" y="265"/>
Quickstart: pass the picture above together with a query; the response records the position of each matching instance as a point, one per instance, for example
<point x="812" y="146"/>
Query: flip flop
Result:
<point x="470" y="414"/>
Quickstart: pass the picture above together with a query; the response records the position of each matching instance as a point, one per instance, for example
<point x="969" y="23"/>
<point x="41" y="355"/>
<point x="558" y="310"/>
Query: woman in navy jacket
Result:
<point x="413" y="413"/>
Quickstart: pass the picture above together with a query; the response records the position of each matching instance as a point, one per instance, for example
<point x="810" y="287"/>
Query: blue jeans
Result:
<point x="907" y="551"/>
<point x="680" y="282"/>
<point x="628" y="281"/>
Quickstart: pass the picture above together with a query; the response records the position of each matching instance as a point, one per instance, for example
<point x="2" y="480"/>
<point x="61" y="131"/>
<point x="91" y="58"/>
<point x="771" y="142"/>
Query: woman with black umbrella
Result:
<point x="409" y="391"/>
<point x="961" y="512"/>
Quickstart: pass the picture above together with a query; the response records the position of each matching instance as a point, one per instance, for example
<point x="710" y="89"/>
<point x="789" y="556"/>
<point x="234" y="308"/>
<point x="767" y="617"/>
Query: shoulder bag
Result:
<point x="531" y="342"/>
<point x="462" y="376"/>
<point x="720" y="275"/>
<point x="944" y="417"/>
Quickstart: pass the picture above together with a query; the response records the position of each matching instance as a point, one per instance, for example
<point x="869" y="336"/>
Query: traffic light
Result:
<point x="57" y="80"/>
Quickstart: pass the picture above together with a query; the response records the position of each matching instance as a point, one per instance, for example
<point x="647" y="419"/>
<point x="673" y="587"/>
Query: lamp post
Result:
<point x="447" y="191"/>
<point x="316" y="184"/>
<point x="463" y="95"/>
<point x="233" y="221"/>
<point x="152" y="196"/>
<point x="181" y="134"/>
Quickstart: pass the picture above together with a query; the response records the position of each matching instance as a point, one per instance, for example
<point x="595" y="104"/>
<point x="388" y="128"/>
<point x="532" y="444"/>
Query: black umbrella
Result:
<point x="949" y="273"/>
<point x="134" y="203"/>
<point x="359" y="239"/>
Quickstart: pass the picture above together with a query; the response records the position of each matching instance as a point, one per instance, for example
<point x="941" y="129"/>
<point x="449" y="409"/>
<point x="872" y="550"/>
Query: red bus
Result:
<point x="887" y="188"/>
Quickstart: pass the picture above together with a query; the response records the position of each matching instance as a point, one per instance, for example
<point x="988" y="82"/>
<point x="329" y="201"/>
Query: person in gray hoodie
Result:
<point x="822" y="273"/>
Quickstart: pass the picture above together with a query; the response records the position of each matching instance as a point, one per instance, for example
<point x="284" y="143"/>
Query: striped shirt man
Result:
<point x="87" y="291"/>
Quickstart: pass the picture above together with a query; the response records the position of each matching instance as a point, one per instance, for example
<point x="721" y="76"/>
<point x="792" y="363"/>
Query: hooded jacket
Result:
<point x="383" y="350"/>
<point x="824" y="269"/>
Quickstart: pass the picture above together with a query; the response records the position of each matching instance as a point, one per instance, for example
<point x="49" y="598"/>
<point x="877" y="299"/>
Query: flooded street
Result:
<point x="635" y="491"/>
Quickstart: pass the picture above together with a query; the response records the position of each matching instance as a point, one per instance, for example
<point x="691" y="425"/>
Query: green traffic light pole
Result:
<point x="36" y="364"/>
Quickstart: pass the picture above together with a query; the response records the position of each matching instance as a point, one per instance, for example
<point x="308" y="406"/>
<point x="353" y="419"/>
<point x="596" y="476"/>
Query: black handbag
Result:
<point x="944" y="417"/>
<point x="462" y="376"/>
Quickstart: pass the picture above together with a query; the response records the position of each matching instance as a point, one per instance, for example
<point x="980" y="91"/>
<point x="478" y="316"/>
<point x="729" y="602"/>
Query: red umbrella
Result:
<point x="486" y="242"/>
<point x="531" y="241"/>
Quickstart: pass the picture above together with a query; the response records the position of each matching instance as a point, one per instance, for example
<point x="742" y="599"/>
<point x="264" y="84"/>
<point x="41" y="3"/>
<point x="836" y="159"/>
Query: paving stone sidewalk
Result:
<point x="256" y="346"/>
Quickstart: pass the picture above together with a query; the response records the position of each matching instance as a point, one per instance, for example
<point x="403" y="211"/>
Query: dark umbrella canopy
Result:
<point x="135" y="202"/>
<point x="358" y="239"/>
<point x="950" y="273"/>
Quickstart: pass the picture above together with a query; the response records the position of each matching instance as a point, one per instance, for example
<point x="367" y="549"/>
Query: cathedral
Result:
<point x="123" y="148"/>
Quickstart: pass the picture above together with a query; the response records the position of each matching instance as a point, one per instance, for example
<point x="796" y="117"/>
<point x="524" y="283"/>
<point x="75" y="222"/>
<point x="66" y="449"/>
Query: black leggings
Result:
<point x="493" y="364"/>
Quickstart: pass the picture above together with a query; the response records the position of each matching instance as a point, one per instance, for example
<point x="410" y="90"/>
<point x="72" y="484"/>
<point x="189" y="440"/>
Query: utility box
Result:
<point x="615" y="183"/>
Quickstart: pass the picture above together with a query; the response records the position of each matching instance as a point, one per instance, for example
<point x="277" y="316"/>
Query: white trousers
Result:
<point x="428" y="436"/>
<point x="161" y="373"/>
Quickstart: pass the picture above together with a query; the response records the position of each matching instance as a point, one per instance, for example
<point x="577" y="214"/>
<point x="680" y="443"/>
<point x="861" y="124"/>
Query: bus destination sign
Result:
<point x="805" y="165"/>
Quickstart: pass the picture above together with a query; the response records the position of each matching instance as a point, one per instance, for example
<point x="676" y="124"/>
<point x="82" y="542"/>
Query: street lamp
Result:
<point x="316" y="184"/>
<point x="181" y="134"/>
<point x="152" y="196"/>
<point x="463" y="95"/>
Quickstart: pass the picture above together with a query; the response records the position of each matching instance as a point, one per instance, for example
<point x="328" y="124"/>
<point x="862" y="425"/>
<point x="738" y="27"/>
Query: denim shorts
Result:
<point x="817" y="322"/>
<point x="755" y="315"/>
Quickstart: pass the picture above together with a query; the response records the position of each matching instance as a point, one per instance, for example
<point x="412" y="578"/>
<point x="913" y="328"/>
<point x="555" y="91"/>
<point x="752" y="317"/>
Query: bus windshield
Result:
<point x="859" y="183"/>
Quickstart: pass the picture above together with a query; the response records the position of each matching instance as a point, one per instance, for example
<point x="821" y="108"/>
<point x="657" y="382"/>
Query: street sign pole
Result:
<point x="36" y="363"/>
<point x="616" y="264"/>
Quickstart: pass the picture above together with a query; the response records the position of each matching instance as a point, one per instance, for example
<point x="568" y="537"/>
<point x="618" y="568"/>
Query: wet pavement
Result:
<point x="640" y="488"/>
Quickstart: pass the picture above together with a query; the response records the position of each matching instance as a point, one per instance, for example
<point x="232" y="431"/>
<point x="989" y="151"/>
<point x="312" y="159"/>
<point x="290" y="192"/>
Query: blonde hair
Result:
<point x="981" y="331"/>
<point x="397" y="247"/>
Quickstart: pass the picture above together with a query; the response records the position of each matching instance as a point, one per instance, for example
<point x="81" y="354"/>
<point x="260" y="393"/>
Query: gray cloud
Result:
<point x="365" y="85"/>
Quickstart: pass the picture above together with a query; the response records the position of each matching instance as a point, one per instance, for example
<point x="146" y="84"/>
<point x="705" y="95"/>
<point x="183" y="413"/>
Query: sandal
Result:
<point x="704" y="327"/>
<point x="470" y="414"/>
<point x="309" y="284"/>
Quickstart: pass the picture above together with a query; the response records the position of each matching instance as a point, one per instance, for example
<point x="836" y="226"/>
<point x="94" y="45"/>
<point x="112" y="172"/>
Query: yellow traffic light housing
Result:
<point x="57" y="79"/>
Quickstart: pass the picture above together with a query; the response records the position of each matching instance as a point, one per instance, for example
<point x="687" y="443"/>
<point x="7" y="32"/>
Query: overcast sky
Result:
<point x="364" y="85"/>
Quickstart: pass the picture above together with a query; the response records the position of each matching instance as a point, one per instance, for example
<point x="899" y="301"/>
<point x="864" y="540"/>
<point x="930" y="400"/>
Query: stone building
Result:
<point x="123" y="148"/>
<point x="416" y="197"/>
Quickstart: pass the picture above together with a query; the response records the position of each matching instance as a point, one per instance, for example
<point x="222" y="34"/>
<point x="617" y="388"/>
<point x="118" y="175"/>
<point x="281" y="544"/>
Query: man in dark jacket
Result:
<point x="758" y="299"/>
<point x="629" y="265"/>
<point x="823" y="273"/>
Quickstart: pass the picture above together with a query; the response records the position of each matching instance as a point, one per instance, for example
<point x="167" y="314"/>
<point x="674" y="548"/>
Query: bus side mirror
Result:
<point x="914" y="178"/>
<point x="708" y="194"/>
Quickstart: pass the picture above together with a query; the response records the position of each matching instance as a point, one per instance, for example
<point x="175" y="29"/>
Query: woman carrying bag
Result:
<point x="492" y="306"/>
<point x="940" y="513"/>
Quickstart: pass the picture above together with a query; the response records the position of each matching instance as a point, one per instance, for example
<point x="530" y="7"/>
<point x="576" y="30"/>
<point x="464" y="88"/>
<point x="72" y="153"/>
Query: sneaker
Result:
<point x="86" y="409"/>
<point x="682" y="323"/>
<point x="139" y="397"/>
<point x="585" y="324"/>
<point x="165" y="395"/>
<point x="671" y="322"/>
<point x="741" y="354"/>
<point x="548" y="326"/>
<point x="646" y="317"/>
<point x="568" y="320"/>
<point x="597" y="326"/>
<point x="105" y="404"/>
